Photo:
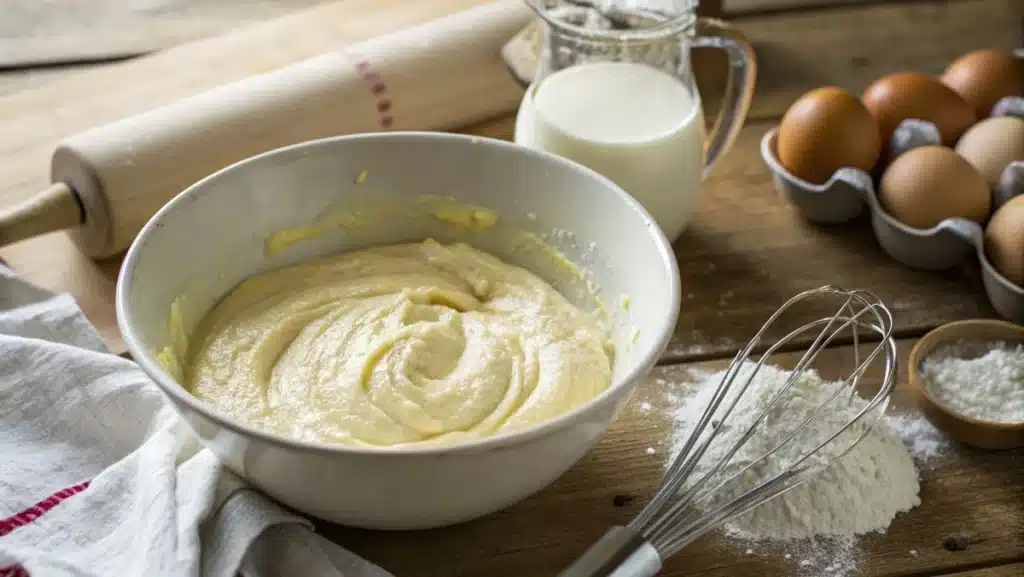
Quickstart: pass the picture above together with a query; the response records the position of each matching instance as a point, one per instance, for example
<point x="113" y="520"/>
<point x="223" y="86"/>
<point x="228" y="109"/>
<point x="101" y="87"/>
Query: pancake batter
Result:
<point x="414" y="343"/>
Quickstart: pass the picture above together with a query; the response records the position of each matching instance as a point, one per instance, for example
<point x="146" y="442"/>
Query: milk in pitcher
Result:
<point x="640" y="127"/>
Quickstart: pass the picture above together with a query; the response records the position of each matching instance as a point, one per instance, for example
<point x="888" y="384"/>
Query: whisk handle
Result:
<point x="621" y="552"/>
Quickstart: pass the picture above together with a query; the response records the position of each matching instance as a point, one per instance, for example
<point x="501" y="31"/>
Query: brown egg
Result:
<point x="983" y="77"/>
<point x="897" y="97"/>
<point x="992" y="144"/>
<point x="825" y="130"/>
<point x="929" y="184"/>
<point x="1004" y="240"/>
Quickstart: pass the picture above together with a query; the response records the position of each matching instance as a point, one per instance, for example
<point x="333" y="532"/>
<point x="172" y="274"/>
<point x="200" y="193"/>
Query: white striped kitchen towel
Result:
<point x="100" y="478"/>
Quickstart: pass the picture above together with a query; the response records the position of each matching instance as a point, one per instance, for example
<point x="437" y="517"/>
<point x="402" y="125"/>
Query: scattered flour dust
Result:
<point x="924" y="441"/>
<point x="981" y="380"/>
<point x="817" y="523"/>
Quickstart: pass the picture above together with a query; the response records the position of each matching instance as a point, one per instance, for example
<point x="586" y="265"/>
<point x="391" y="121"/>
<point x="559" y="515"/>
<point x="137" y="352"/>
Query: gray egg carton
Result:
<point x="850" y="190"/>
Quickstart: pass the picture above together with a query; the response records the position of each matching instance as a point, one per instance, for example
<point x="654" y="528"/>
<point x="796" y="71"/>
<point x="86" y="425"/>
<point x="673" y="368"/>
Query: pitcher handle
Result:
<point x="739" y="87"/>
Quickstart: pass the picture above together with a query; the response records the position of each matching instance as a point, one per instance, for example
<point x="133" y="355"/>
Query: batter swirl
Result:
<point x="413" y="343"/>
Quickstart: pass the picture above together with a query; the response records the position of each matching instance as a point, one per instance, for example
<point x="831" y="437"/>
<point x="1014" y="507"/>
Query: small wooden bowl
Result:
<point x="968" y="430"/>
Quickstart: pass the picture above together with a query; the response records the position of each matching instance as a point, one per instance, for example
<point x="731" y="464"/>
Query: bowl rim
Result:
<point x="946" y="334"/>
<point x="180" y="396"/>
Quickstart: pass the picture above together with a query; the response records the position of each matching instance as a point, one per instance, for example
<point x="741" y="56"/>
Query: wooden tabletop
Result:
<point x="745" y="253"/>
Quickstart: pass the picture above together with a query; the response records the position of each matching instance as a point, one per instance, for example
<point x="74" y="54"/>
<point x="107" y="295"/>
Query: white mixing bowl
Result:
<point x="214" y="234"/>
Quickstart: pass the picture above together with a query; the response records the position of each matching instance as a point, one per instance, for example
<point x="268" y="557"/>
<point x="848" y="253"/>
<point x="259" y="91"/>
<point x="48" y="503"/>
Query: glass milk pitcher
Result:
<point x="615" y="91"/>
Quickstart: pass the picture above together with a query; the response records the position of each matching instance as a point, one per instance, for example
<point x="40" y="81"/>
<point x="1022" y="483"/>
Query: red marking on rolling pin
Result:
<point x="379" y="89"/>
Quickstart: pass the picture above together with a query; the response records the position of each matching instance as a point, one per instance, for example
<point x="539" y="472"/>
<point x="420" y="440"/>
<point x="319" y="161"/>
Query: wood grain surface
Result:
<point x="972" y="496"/>
<point x="854" y="45"/>
<point x="36" y="32"/>
<point x="849" y="46"/>
<point x="792" y="251"/>
<point x="745" y="253"/>
<point x="36" y="120"/>
<point x="1012" y="570"/>
<point x="19" y="79"/>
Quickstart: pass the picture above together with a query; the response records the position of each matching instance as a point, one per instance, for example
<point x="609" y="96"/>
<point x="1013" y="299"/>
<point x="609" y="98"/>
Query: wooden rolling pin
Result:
<point x="109" y="180"/>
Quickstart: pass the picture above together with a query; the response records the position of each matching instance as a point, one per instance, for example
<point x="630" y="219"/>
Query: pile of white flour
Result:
<point x="980" y="380"/>
<point x="860" y="493"/>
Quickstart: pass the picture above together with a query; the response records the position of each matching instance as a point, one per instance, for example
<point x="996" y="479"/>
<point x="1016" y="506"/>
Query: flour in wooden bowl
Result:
<point x="984" y="381"/>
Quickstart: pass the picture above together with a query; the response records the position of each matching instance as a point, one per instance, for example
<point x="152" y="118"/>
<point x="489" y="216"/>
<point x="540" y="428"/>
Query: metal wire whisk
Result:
<point x="674" y="519"/>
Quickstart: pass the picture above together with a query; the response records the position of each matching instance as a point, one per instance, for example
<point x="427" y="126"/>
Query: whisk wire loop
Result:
<point x="677" y="516"/>
<point x="684" y="463"/>
<point x="798" y="472"/>
<point x="686" y="460"/>
<point x="693" y="494"/>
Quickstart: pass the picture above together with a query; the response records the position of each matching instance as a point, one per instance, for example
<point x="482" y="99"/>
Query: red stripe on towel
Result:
<point x="32" y="513"/>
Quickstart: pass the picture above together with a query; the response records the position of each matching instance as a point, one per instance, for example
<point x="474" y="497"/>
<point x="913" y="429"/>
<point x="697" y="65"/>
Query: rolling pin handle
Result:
<point x="55" y="208"/>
